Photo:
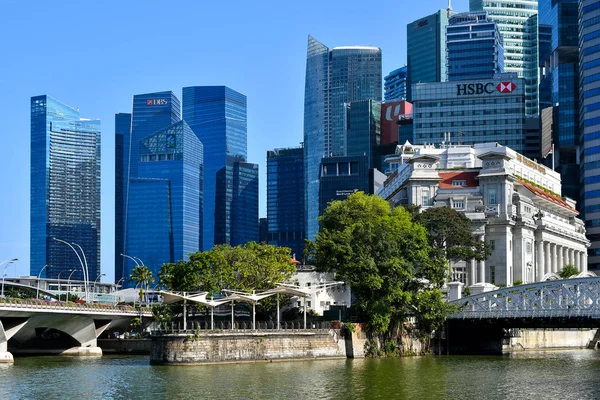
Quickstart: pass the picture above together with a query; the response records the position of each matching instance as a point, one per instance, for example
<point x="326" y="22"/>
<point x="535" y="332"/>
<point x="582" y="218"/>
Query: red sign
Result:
<point x="390" y="115"/>
<point x="506" y="87"/>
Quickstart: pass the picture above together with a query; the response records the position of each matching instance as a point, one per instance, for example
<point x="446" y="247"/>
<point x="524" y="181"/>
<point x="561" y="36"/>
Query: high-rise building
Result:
<point x="474" y="47"/>
<point x="217" y="114"/>
<point x="151" y="113"/>
<point x="165" y="199"/>
<point x="517" y="22"/>
<point x="244" y="204"/>
<point x="426" y="49"/>
<point x="363" y="130"/>
<point x="65" y="189"/>
<point x="559" y="87"/>
<point x="333" y="78"/>
<point x="394" y="85"/>
<point x="589" y="122"/>
<point x="285" y="199"/>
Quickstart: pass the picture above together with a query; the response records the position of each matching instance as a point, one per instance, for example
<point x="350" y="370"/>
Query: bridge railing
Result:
<point x="579" y="297"/>
<point x="242" y="326"/>
<point x="32" y="304"/>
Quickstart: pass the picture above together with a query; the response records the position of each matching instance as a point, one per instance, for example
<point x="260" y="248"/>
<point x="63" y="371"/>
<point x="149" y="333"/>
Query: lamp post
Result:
<point x="83" y="268"/>
<point x="69" y="283"/>
<point x="86" y="274"/>
<point x="59" y="287"/>
<point x="96" y="280"/>
<point x="37" y="294"/>
<point x="7" y="262"/>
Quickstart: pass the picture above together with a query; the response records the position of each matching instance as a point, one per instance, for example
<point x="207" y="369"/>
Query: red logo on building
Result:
<point x="506" y="87"/>
<point x="149" y="102"/>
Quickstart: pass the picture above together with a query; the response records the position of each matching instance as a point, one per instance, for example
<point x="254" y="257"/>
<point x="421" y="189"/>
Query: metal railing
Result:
<point x="242" y="326"/>
<point x="41" y="305"/>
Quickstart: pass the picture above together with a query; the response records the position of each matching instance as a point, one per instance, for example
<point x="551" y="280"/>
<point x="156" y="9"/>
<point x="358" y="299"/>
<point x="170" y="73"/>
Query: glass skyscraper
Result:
<point x="152" y="112"/>
<point x="65" y="189"/>
<point x="217" y="114"/>
<point x="333" y="78"/>
<point x="517" y="22"/>
<point x="363" y="130"/>
<point x="165" y="198"/>
<point x="394" y="85"/>
<point x="474" y="47"/>
<point x="285" y="199"/>
<point x="426" y="50"/>
<point x="559" y="87"/>
<point x="589" y="125"/>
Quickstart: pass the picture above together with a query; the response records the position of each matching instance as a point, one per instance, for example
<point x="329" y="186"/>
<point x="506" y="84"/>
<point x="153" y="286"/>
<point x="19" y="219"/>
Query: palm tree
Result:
<point x="143" y="276"/>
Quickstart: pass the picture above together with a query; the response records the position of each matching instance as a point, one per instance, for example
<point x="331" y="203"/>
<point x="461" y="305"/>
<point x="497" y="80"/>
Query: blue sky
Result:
<point x="95" y="55"/>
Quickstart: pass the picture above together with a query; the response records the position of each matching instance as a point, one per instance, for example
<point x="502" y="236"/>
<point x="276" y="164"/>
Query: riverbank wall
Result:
<point x="546" y="339"/>
<point x="238" y="347"/>
<point x="125" y="346"/>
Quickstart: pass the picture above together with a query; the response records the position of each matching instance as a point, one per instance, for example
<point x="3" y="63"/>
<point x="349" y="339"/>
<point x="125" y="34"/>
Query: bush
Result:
<point x="517" y="282"/>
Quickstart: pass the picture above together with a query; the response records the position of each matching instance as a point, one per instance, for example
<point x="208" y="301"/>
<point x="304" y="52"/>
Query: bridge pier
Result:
<point x="5" y="356"/>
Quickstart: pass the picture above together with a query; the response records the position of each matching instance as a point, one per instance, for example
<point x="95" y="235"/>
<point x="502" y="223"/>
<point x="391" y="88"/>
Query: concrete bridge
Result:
<point x="484" y="320"/>
<point x="39" y="327"/>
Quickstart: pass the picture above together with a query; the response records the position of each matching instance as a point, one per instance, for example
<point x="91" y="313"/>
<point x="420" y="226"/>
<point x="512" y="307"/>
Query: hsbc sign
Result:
<point x="463" y="89"/>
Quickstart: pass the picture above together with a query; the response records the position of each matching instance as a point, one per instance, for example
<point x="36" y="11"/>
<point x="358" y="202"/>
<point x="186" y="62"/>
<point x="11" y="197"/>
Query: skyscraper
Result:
<point x="363" y="130"/>
<point x="517" y="22"/>
<point x="426" y="49"/>
<point x="474" y="47"/>
<point x="285" y="199"/>
<point x="217" y="114"/>
<point x="151" y="113"/>
<point x="165" y="199"/>
<point x="589" y="125"/>
<point x="394" y="85"/>
<point x="559" y="88"/>
<point x="65" y="188"/>
<point x="333" y="78"/>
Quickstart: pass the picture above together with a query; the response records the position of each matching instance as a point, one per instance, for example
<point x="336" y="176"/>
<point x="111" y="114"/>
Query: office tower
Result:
<point x="244" y="204"/>
<point x="474" y="47"/>
<point x="589" y="123"/>
<point x="394" y="85"/>
<point x="392" y="113"/>
<point x="65" y="189"/>
<point x="151" y="113"/>
<point x="333" y="78"/>
<point x="363" y="130"/>
<point x="517" y="22"/>
<point x="426" y="49"/>
<point x="217" y="114"/>
<point x="559" y="87"/>
<point x="263" y="230"/>
<point x="165" y="199"/>
<point x="470" y="112"/>
<point x="285" y="199"/>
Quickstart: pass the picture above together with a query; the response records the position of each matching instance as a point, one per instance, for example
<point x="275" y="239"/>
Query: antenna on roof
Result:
<point x="449" y="8"/>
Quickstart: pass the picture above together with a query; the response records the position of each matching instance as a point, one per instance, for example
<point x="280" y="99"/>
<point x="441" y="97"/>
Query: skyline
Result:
<point x="109" y="52"/>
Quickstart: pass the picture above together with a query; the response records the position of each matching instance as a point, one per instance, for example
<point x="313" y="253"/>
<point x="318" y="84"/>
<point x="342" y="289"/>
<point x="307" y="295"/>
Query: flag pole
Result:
<point x="552" y="156"/>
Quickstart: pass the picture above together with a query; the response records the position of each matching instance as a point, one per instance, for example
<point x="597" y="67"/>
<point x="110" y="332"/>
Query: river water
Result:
<point x="573" y="374"/>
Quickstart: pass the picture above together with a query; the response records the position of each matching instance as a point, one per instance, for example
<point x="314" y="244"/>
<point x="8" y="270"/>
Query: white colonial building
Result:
<point x="323" y="290"/>
<point x="514" y="204"/>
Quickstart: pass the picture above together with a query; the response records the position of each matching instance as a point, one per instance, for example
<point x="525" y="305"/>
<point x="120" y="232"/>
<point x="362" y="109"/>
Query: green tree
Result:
<point x="142" y="276"/>
<point x="568" y="271"/>
<point x="384" y="256"/>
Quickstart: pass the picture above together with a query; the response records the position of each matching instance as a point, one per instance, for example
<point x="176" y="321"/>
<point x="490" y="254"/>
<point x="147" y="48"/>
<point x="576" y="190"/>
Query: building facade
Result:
<point x="333" y="78"/>
<point x="218" y="116"/>
<point x="469" y="112"/>
<point x="394" y="84"/>
<point x="514" y="204"/>
<point x="363" y="130"/>
<point x="589" y="122"/>
<point x="426" y="50"/>
<point x="65" y="189"/>
<point x="518" y="25"/>
<point x="285" y="199"/>
<point x="474" y="48"/>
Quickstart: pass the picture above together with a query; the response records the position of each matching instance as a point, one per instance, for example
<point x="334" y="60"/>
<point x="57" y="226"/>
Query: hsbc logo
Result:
<point x="464" y="89"/>
<point x="506" y="87"/>
<point x="156" y="102"/>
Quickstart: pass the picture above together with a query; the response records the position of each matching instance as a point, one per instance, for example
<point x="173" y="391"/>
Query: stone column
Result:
<point x="547" y="259"/>
<point x="472" y="273"/>
<point x="481" y="272"/>
<point x="539" y="258"/>
<point x="554" y="257"/>
<point x="584" y="267"/>
<point x="560" y="252"/>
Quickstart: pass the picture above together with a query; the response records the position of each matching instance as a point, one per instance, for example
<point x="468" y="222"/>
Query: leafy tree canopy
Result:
<point x="568" y="271"/>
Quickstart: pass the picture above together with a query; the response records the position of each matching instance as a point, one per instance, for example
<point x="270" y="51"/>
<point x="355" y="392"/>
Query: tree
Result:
<point x="142" y="276"/>
<point x="568" y="271"/>
<point x="383" y="255"/>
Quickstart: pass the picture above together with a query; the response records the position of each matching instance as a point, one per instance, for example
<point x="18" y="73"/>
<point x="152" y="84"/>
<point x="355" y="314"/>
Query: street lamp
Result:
<point x="83" y="268"/>
<point x="59" y="287"/>
<point x="69" y="283"/>
<point x="7" y="262"/>
<point x="37" y="294"/>
<point x="96" y="280"/>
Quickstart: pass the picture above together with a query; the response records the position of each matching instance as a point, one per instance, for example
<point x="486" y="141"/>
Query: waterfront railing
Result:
<point x="33" y="304"/>
<point x="241" y="326"/>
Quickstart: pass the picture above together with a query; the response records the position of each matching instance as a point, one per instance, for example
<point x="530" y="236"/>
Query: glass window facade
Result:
<point x="333" y="78"/>
<point x="65" y="188"/>
<point x="363" y="130"/>
<point x="122" y="131"/>
<point x="589" y="45"/>
<point x="285" y="199"/>
<point x="218" y="116"/>
<point x="342" y="176"/>
<point x="518" y="25"/>
<point x="474" y="47"/>
<point x="394" y="85"/>
<point x="472" y="112"/>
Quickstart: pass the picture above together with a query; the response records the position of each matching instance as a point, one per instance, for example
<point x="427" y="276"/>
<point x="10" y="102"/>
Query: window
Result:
<point x="528" y="247"/>
<point x="425" y="197"/>
<point x="459" y="205"/>
<point x="308" y="303"/>
<point x="493" y="245"/>
<point x="307" y="284"/>
<point x="459" y="183"/>
<point x="492" y="197"/>
<point x="492" y="274"/>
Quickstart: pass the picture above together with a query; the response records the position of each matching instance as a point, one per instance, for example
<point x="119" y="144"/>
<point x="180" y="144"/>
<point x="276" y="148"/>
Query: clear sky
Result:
<point x="95" y="55"/>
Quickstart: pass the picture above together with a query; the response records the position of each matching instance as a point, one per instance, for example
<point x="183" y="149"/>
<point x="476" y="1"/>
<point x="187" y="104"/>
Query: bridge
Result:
<point x="37" y="326"/>
<point x="486" y="318"/>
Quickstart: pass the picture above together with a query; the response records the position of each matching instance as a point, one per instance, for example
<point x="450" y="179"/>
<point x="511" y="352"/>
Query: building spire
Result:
<point x="449" y="10"/>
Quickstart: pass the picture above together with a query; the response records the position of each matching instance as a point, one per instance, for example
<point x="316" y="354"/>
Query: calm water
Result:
<point x="540" y="375"/>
